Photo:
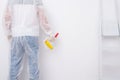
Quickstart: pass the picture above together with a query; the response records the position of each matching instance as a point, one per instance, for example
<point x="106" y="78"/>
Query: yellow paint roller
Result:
<point x="48" y="43"/>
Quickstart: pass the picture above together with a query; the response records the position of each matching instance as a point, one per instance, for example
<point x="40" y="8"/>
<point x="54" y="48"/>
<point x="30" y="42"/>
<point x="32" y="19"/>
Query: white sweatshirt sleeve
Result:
<point x="43" y="19"/>
<point x="7" y="19"/>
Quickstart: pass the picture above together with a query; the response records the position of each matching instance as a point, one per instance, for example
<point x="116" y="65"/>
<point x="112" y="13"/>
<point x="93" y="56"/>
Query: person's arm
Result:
<point x="43" y="19"/>
<point x="7" y="21"/>
<point x="7" y="18"/>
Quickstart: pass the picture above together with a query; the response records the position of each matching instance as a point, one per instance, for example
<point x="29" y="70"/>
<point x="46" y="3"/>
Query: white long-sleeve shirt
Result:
<point x="25" y="17"/>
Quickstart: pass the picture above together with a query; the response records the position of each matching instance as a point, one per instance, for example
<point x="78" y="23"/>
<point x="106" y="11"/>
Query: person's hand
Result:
<point x="51" y="37"/>
<point x="9" y="37"/>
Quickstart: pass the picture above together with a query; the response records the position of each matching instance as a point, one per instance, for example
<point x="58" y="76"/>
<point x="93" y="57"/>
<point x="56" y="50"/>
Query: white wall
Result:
<point x="76" y="56"/>
<point x="110" y="18"/>
<point x="111" y="58"/>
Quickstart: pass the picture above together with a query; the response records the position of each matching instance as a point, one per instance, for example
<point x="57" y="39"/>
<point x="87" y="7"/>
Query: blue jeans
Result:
<point x="24" y="45"/>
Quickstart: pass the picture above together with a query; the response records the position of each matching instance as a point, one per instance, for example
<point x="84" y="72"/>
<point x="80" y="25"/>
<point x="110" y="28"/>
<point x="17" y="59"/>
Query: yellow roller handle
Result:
<point x="48" y="44"/>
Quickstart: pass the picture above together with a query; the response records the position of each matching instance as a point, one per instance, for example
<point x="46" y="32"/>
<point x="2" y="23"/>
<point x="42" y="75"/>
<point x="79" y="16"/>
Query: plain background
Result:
<point x="110" y="58"/>
<point x="77" y="51"/>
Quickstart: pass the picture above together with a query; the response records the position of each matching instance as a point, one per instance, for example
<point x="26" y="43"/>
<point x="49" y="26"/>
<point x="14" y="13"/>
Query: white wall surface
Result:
<point x="111" y="58"/>
<point x="110" y="17"/>
<point x="76" y="55"/>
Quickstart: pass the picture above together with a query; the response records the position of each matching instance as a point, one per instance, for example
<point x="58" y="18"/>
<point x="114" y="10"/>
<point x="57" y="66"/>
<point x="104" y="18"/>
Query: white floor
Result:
<point x="111" y="58"/>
